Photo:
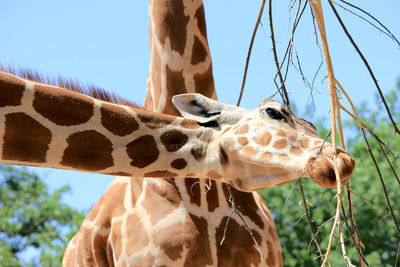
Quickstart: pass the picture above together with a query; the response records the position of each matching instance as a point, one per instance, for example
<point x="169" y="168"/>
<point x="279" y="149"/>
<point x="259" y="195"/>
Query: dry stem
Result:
<point x="335" y="115"/>
<point x="249" y="51"/>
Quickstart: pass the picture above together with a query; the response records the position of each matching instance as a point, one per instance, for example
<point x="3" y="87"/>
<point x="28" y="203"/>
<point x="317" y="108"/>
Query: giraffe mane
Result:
<point x="69" y="84"/>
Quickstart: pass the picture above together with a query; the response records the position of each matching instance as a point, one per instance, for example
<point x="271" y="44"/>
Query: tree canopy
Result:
<point x="33" y="219"/>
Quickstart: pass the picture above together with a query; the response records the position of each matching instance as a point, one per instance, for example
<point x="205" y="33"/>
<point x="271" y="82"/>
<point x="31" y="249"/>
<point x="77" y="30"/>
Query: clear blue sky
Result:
<point x="106" y="43"/>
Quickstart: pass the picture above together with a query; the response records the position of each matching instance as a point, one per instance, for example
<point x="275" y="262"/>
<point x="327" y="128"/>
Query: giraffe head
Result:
<point x="268" y="144"/>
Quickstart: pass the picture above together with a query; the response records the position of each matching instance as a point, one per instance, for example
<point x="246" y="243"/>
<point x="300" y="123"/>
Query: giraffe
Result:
<point x="47" y="126"/>
<point x="126" y="227"/>
<point x="184" y="249"/>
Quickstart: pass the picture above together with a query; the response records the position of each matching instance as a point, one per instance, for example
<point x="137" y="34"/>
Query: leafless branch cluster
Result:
<point x="291" y="59"/>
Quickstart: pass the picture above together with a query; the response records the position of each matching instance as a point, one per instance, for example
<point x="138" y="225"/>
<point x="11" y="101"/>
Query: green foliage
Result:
<point x="374" y="223"/>
<point x="32" y="218"/>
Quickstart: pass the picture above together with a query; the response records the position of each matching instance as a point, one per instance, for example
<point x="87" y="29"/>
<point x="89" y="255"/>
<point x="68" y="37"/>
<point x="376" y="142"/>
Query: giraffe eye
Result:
<point x="274" y="114"/>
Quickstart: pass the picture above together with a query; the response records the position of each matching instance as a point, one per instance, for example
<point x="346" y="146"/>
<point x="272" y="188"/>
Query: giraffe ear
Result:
<point x="206" y="110"/>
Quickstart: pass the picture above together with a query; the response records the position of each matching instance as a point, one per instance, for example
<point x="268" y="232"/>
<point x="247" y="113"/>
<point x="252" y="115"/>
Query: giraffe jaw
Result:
<point x="258" y="182"/>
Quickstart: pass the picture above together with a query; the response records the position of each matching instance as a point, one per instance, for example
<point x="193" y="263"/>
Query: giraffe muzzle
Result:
<point x="321" y="168"/>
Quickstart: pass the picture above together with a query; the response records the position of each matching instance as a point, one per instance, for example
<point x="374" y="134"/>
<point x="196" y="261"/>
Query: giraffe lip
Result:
<point x="321" y="169"/>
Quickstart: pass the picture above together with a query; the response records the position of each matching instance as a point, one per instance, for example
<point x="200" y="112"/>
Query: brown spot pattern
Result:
<point x="242" y="129"/>
<point x="199" y="53"/>
<point x="204" y="82"/>
<point x="293" y="138"/>
<point x="223" y="157"/>
<point x="296" y="151"/>
<point x="263" y="139"/>
<point x="230" y="253"/>
<point x="163" y="173"/>
<point x="267" y="156"/>
<point x="143" y="151"/>
<point x="201" y="23"/>
<point x="62" y="107"/>
<point x="170" y="18"/>
<point x="281" y="133"/>
<point x="158" y="196"/>
<point x="199" y="254"/>
<point x="189" y="124"/>
<point x="198" y="152"/>
<point x="271" y="256"/>
<point x="179" y="164"/>
<point x="193" y="190"/>
<point x="88" y="150"/>
<point x="25" y="139"/>
<point x="212" y="197"/>
<point x="192" y="235"/>
<point x="11" y="91"/>
<point x="117" y="120"/>
<point x="250" y="151"/>
<point x="243" y="141"/>
<point x="205" y="135"/>
<point x="99" y="248"/>
<point x="280" y="144"/>
<point x="152" y="122"/>
<point x="173" y="140"/>
<point x="246" y="204"/>
<point x="305" y="143"/>
<point x="175" y="85"/>
<point x="85" y="253"/>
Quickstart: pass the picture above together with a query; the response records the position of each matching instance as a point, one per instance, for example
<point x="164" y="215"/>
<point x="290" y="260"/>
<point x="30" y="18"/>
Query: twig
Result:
<point x="352" y="234"/>
<point x="249" y="51"/>
<point x="366" y="64"/>
<point x="314" y="234"/>
<point x="382" y="182"/>
<point x="366" y="202"/>
<point x="364" y="126"/>
<point x="344" y="253"/>
<point x="391" y="36"/>
<point x="278" y="69"/>
<point x="372" y="17"/>
<point x="390" y="164"/>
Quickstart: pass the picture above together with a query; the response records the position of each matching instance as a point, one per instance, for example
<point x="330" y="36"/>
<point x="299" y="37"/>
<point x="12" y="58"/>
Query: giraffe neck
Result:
<point x="47" y="126"/>
<point x="180" y="59"/>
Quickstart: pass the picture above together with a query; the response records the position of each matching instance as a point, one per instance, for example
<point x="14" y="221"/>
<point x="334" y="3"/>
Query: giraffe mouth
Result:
<point x="321" y="168"/>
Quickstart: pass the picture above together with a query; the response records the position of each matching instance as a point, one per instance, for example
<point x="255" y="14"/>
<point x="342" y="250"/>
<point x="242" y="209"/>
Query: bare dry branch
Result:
<point x="388" y="32"/>
<point x="366" y="65"/>
<point x="282" y="88"/>
<point x="249" y="51"/>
